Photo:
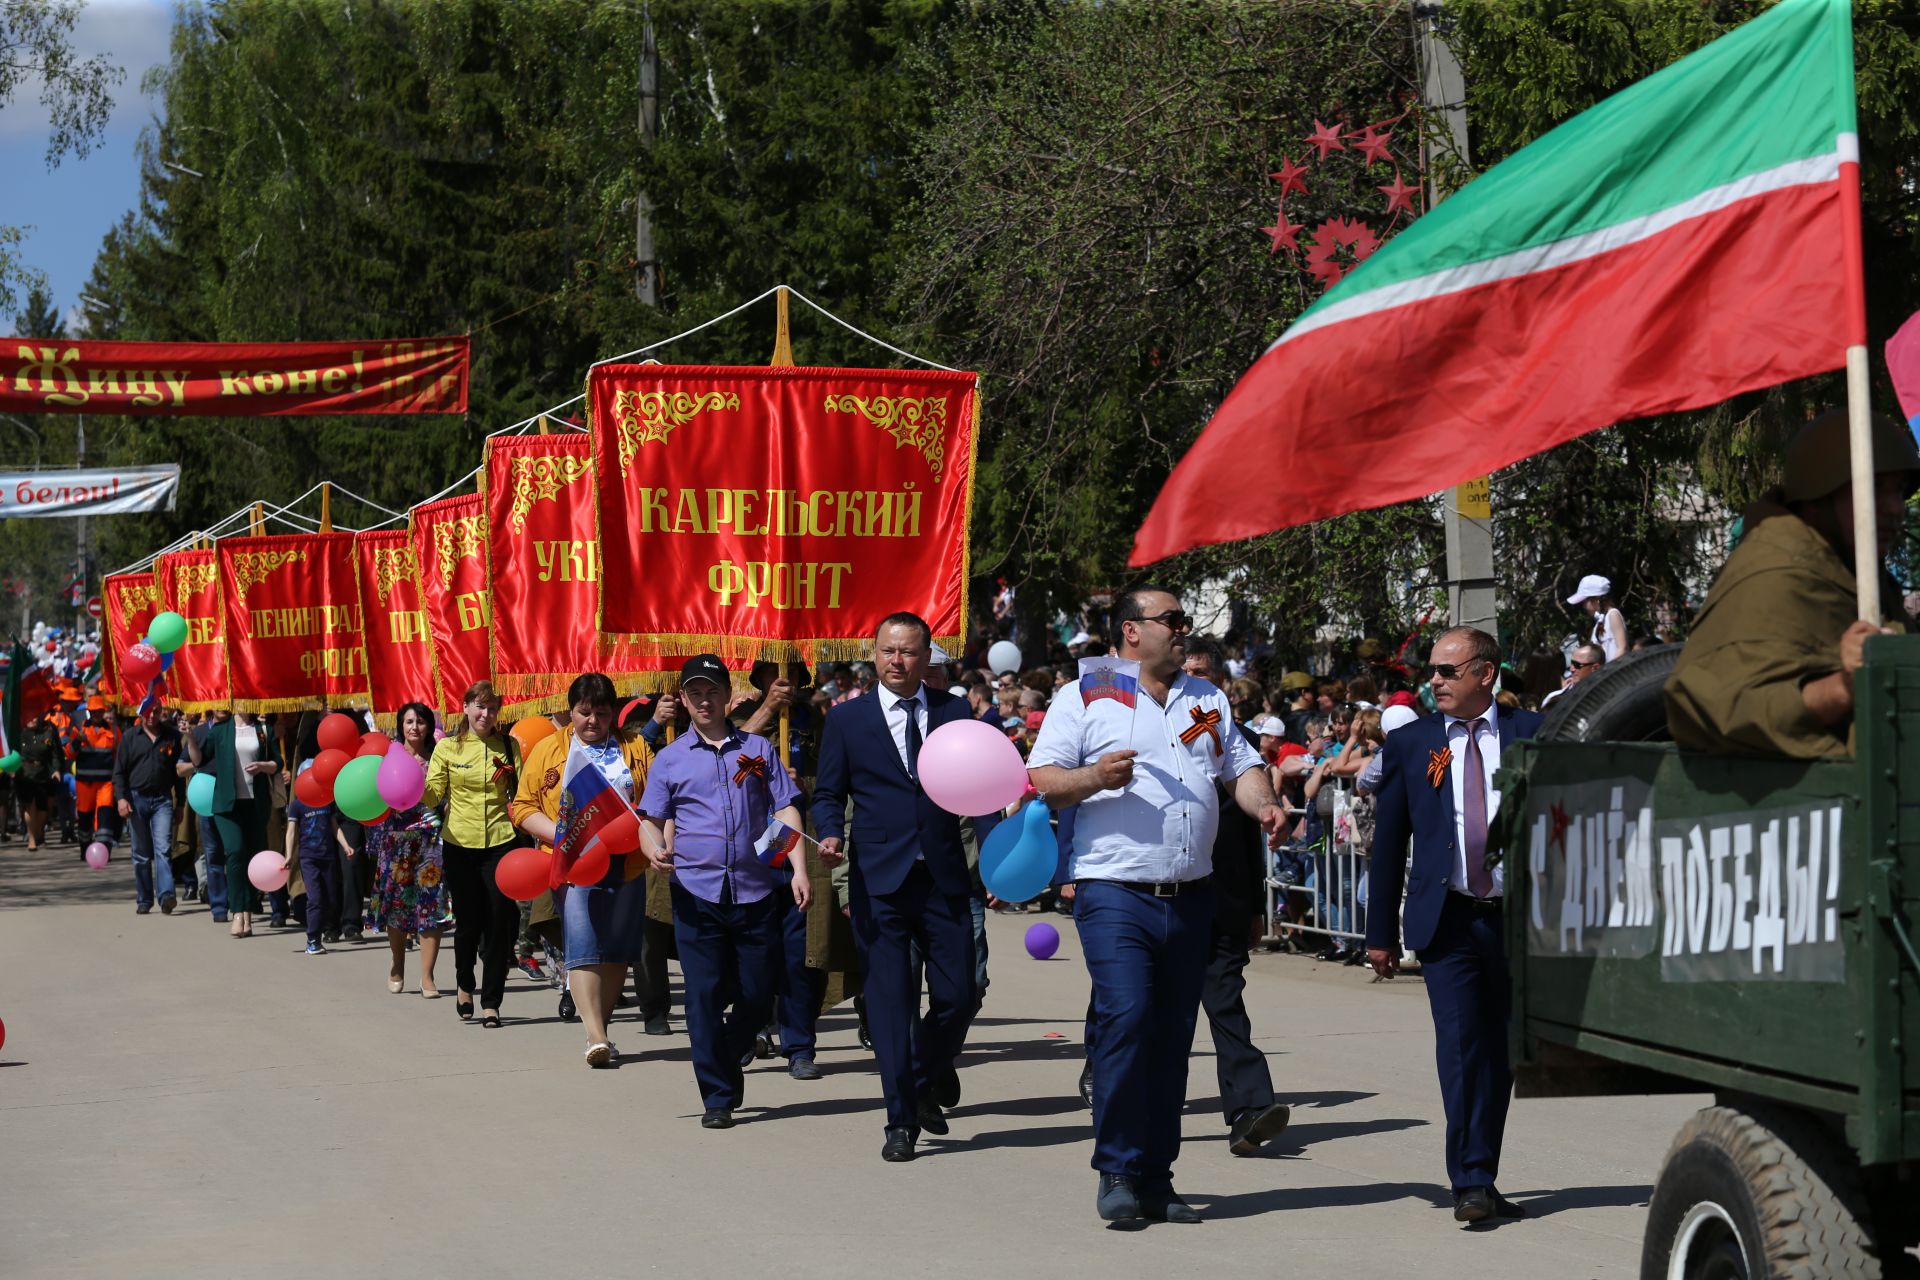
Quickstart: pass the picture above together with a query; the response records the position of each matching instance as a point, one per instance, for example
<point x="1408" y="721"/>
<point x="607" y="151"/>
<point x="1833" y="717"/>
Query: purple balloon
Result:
<point x="971" y="769"/>
<point x="1042" y="941"/>
<point x="97" y="855"/>
<point x="401" y="779"/>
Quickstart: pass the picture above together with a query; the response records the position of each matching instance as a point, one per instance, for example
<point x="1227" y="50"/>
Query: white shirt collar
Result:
<point x="894" y="700"/>
<point x="1463" y="721"/>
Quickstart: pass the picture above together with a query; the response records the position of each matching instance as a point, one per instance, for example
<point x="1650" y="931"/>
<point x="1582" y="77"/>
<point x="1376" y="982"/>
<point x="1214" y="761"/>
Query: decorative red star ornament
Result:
<point x="1561" y="821"/>
<point x="1283" y="234"/>
<point x="1325" y="138"/>
<point x="1291" y="177"/>
<point x="1372" y="143"/>
<point x="1400" y="195"/>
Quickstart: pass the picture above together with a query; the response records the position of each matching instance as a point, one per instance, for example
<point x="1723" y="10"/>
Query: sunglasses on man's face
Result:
<point x="1450" y="670"/>
<point x="1584" y="666"/>
<point x="1173" y="620"/>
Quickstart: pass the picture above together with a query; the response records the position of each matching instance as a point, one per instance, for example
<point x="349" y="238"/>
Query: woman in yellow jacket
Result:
<point x="472" y="771"/>
<point x="603" y="922"/>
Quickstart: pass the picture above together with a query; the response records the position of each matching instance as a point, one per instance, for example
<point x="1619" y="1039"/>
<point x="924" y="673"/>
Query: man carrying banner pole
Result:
<point x="719" y="814"/>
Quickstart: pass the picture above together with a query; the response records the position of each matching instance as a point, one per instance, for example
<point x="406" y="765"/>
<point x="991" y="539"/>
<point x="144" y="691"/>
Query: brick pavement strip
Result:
<point x="177" y="1103"/>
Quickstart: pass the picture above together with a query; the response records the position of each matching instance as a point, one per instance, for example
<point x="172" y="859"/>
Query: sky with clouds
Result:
<point x="68" y="209"/>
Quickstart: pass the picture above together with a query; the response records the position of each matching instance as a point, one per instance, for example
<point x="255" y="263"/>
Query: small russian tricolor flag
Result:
<point x="776" y="843"/>
<point x="1115" y="678"/>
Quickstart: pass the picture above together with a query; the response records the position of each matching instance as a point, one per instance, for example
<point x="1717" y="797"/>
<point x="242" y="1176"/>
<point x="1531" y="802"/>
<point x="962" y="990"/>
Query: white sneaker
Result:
<point x="600" y="1055"/>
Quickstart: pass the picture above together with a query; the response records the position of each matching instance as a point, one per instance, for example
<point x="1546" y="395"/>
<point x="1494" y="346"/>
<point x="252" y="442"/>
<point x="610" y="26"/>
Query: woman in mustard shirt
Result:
<point x="472" y="772"/>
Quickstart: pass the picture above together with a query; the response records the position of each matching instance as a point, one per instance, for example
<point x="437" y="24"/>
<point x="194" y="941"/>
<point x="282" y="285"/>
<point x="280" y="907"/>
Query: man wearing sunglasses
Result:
<point x="1581" y="664"/>
<point x="1436" y="789"/>
<point x="1143" y="768"/>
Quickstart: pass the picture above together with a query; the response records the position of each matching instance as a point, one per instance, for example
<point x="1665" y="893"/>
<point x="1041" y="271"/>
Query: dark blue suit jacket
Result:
<point x="893" y="820"/>
<point x="1410" y="806"/>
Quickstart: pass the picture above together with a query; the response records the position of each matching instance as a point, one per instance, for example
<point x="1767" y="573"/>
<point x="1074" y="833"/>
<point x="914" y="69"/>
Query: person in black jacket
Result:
<point x="1239" y="885"/>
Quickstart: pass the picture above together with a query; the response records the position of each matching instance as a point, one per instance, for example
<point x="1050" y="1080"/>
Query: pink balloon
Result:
<point x="97" y="854"/>
<point x="970" y="768"/>
<point x="401" y="780"/>
<point x="268" y="871"/>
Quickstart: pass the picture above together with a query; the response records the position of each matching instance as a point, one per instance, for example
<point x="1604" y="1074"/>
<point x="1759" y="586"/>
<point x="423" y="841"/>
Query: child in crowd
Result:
<point x="312" y="834"/>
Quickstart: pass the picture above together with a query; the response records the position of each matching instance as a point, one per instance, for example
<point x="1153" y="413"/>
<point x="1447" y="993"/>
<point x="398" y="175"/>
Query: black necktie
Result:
<point x="913" y="736"/>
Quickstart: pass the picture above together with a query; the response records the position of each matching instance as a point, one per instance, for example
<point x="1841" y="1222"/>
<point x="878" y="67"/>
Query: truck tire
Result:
<point x="1736" y="1200"/>
<point x="1624" y="701"/>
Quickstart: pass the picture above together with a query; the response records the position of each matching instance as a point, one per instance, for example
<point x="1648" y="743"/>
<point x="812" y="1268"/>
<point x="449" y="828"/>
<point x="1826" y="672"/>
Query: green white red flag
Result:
<point x="1692" y="237"/>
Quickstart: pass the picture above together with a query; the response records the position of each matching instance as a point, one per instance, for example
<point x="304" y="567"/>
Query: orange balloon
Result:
<point x="531" y="730"/>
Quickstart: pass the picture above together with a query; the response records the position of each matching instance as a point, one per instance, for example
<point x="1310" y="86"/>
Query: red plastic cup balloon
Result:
<point x="311" y="791"/>
<point x="522" y="874"/>
<point x="340" y="733"/>
<point x="268" y="871"/>
<point x="373" y="743"/>
<point x="140" y="663"/>
<point x="591" y="866"/>
<point x="328" y="764"/>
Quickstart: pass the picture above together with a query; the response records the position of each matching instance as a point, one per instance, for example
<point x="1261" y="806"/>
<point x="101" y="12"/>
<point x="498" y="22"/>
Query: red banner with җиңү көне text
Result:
<point x="228" y="379"/>
<point x="780" y="513"/>
<point x="293" y="621"/>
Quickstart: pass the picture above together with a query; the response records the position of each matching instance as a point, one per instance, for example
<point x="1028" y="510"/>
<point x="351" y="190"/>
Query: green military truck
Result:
<point x="1745" y="927"/>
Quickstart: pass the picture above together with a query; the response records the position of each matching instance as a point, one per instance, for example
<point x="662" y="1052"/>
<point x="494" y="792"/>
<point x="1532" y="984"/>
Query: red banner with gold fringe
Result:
<point x="190" y="586"/>
<point x="543" y="569"/>
<point x="780" y="512"/>
<point x="399" y="659"/>
<point x="294" y="623"/>
<point x="130" y="601"/>
<point x="450" y="547"/>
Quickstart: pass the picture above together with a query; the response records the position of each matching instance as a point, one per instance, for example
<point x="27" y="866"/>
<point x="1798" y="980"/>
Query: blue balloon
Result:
<point x="1018" y="859"/>
<point x="200" y="794"/>
<point x="166" y="660"/>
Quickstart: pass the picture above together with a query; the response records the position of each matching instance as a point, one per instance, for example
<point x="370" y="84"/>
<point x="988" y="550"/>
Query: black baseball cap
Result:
<point x="706" y="666"/>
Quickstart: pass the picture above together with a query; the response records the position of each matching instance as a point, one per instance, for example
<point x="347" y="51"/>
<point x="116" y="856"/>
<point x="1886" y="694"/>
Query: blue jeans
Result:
<point x="729" y="954"/>
<point x="152" y="841"/>
<point x="1147" y="957"/>
<point x="214" y="879"/>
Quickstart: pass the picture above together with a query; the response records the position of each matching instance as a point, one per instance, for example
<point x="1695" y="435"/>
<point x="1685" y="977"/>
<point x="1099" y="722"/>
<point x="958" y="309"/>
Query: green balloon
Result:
<point x="10" y="762"/>
<point x="167" y="632"/>
<point x="356" y="790"/>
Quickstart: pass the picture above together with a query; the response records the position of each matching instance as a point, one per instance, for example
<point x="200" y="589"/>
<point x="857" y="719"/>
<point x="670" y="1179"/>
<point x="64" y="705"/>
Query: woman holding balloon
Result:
<point x="409" y="874"/>
<point x="472" y="771"/>
<point x="236" y="763"/>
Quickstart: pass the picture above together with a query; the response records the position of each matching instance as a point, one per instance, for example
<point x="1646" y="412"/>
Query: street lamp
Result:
<point x="37" y="442"/>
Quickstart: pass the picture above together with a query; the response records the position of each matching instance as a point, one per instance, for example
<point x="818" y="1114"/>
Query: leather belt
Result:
<point x="1482" y="905"/>
<point x="1163" y="888"/>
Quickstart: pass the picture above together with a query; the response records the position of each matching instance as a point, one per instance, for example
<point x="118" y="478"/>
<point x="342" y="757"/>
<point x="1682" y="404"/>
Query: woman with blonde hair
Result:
<point x="472" y="771"/>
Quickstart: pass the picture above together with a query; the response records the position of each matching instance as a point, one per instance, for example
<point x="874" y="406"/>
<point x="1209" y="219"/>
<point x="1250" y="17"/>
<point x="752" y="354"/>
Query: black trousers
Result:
<point x="485" y="919"/>
<point x="651" y="986"/>
<point x="1244" y="1079"/>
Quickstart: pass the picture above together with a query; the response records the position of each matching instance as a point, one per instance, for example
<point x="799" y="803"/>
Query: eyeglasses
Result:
<point x="1583" y="666"/>
<point x="1451" y="670"/>
<point x="1173" y="620"/>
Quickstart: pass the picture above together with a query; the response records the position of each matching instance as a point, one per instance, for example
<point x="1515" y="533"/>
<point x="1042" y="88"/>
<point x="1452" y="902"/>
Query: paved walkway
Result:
<point x="177" y="1103"/>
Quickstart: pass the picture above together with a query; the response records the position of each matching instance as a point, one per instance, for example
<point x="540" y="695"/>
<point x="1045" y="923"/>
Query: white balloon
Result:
<point x="1004" y="657"/>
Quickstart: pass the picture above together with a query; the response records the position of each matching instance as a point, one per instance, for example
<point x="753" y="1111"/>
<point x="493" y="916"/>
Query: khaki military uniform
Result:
<point x="1771" y="624"/>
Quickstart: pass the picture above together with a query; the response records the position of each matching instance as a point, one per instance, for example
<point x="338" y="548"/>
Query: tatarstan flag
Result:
<point x="1692" y="237"/>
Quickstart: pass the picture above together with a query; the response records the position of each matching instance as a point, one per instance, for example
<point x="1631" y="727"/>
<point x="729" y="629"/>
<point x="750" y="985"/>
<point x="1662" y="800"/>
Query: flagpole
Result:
<point x="1866" y="539"/>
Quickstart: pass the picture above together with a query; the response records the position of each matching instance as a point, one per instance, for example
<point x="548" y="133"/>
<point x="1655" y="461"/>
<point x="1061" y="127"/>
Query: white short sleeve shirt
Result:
<point x="1161" y="827"/>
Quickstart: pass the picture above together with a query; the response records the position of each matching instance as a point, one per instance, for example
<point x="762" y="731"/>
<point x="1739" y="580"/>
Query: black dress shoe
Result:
<point x="1474" y="1204"/>
<point x="1159" y="1202"/>
<point x="1086" y="1085"/>
<point x="1116" y="1201"/>
<point x="804" y="1069"/>
<point x="657" y="1025"/>
<point x="1505" y="1208"/>
<point x="1256" y="1126"/>
<point x="899" y="1148"/>
<point x="567" y="1012"/>
<point x="717" y="1118"/>
<point x="945" y="1086"/>
<point x="930" y="1118"/>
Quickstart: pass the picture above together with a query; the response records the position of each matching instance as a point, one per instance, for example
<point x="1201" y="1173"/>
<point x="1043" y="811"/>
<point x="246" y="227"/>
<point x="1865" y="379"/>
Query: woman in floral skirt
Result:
<point x="409" y="885"/>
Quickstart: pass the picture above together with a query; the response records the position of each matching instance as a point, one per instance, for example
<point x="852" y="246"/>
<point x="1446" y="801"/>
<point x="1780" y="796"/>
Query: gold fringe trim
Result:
<point x="275" y="706"/>
<point x="743" y="651"/>
<point x="387" y="721"/>
<point x="196" y="708"/>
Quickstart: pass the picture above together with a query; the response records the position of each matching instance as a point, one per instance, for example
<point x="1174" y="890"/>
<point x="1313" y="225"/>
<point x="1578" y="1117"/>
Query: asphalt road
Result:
<point x="177" y="1103"/>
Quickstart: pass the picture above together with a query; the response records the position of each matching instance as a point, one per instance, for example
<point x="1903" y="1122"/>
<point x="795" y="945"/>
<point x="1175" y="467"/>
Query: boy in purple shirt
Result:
<point x="708" y="798"/>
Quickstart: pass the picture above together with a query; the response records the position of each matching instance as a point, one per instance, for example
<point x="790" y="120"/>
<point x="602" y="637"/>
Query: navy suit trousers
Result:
<point x="798" y="987"/>
<point x="1147" y="957"/>
<point x="1465" y="972"/>
<point x="888" y="926"/>
<point x="728" y="951"/>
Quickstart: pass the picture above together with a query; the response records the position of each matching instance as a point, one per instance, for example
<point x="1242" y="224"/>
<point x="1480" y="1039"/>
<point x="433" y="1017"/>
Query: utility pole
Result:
<point x="646" y="267"/>
<point x="1468" y="508"/>
<point x="80" y="568"/>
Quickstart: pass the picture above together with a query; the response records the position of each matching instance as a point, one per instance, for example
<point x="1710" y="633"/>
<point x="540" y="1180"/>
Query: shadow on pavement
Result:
<point x="1541" y="1204"/>
<point x="1284" y="1199"/>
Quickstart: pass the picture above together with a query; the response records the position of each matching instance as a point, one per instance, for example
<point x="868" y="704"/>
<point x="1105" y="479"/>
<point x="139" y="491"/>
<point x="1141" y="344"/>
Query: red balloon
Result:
<point x="374" y="743"/>
<point x="3" y="1035"/>
<point x="339" y="732"/>
<point x="591" y="865"/>
<point x="327" y="766"/>
<point x="621" y="835"/>
<point x="140" y="663"/>
<point x="522" y="874"/>
<point x="311" y="791"/>
<point x="376" y="821"/>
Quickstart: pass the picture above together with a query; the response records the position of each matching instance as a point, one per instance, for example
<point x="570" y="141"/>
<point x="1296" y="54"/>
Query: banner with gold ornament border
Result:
<point x="543" y="570"/>
<point x="399" y="656"/>
<point x="293" y="622"/>
<point x="190" y="586"/>
<point x="780" y="513"/>
<point x="130" y="601"/>
<point x="450" y="548"/>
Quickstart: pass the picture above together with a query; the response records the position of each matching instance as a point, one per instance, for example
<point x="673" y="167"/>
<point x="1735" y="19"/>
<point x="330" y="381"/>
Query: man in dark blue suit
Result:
<point x="908" y="880"/>
<point x="1436" y="787"/>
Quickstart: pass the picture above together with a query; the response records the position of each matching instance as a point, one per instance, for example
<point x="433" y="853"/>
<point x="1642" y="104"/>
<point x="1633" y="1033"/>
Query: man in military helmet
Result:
<point x="1769" y="664"/>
